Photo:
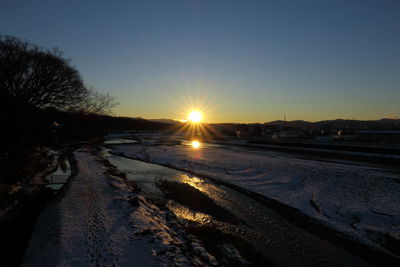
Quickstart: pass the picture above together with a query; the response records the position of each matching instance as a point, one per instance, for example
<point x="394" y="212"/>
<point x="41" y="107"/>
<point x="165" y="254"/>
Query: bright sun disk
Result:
<point x="195" y="116"/>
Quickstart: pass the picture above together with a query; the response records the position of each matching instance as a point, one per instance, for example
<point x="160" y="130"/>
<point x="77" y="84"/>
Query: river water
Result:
<point x="203" y="202"/>
<point x="60" y="176"/>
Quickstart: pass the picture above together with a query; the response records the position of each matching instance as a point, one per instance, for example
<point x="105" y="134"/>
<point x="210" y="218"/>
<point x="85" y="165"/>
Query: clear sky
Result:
<point x="240" y="61"/>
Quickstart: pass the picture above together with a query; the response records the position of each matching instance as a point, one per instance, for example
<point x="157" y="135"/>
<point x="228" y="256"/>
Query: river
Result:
<point x="200" y="203"/>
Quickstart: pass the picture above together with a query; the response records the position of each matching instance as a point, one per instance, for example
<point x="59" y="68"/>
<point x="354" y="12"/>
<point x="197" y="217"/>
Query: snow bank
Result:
<point x="100" y="221"/>
<point x="359" y="201"/>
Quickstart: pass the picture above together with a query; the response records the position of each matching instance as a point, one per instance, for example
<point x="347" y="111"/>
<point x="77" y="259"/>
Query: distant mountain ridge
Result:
<point x="381" y="124"/>
<point x="343" y="124"/>
<point x="168" y="121"/>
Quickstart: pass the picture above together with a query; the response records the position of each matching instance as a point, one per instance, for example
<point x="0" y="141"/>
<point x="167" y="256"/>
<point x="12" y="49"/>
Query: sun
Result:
<point x="195" y="116"/>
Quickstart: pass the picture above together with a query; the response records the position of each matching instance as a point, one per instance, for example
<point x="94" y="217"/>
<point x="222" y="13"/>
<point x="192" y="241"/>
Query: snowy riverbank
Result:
<point x="100" y="221"/>
<point x="361" y="202"/>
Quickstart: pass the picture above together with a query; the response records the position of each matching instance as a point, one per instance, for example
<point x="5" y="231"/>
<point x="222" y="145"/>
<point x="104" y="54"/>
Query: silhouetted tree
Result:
<point x="40" y="78"/>
<point x="39" y="89"/>
<point x="98" y="103"/>
<point x="37" y="77"/>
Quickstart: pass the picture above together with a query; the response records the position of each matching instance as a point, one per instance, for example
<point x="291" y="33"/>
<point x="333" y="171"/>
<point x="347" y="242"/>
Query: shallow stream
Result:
<point x="200" y="202"/>
<point x="59" y="177"/>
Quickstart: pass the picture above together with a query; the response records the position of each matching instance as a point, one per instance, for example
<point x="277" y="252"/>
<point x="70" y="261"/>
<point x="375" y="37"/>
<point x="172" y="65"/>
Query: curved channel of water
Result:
<point x="280" y="241"/>
<point x="60" y="176"/>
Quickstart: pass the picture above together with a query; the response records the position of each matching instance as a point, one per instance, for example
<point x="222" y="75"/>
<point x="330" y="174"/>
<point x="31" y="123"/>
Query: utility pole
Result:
<point x="284" y="121"/>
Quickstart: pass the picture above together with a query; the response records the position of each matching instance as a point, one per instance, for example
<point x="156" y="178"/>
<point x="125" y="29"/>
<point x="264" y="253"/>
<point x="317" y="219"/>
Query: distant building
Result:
<point x="345" y="135"/>
<point x="249" y="130"/>
<point x="288" y="135"/>
<point x="389" y="137"/>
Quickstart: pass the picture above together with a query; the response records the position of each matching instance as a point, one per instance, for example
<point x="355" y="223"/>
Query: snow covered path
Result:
<point x="361" y="202"/>
<point x="100" y="222"/>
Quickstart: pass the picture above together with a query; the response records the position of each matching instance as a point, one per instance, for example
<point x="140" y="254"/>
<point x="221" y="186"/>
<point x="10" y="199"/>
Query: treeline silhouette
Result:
<point x="45" y="103"/>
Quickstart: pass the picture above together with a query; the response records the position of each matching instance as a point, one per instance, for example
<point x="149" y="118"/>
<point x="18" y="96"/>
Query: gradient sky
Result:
<point x="240" y="61"/>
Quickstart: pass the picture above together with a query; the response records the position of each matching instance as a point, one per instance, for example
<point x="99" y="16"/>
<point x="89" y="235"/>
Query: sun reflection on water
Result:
<point x="193" y="181"/>
<point x="185" y="213"/>
<point x="196" y="144"/>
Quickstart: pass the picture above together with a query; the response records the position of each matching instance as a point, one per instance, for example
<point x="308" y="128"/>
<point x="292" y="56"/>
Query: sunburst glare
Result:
<point x="195" y="116"/>
<point x="195" y="113"/>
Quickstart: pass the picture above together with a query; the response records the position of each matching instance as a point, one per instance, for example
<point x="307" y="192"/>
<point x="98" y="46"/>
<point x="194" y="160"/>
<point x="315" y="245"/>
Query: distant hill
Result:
<point x="382" y="124"/>
<point x="297" y="123"/>
<point x="168" y="121"/>
<point x="342" y="124"/>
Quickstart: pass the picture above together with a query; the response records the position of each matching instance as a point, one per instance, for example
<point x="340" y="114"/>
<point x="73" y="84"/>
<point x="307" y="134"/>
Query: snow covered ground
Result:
<point x="362" y="202"/>
<point x="100" y="221"/>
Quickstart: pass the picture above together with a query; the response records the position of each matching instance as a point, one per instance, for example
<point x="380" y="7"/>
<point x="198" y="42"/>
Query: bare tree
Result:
<point x="98" y="103"/>
<point x="31" y="76"/>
